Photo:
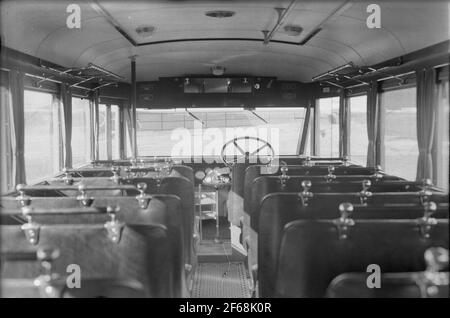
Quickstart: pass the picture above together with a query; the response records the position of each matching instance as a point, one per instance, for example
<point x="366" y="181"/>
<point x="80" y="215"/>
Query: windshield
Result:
<point x="203" y="131"/>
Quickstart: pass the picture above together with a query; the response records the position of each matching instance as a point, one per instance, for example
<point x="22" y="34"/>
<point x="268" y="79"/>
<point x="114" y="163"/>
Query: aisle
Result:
<point x="221" y="280"/>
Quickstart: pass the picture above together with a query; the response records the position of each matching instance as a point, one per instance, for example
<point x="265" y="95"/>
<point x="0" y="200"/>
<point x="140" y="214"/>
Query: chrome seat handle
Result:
<point x="345" y="222"/>
<point x="83" y="198"/>
<point x="143" y="198"/>
<point x="23" y="199"/>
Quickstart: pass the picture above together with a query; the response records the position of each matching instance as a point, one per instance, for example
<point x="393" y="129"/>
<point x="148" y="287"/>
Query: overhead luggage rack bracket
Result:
<point x="350" y="75"/>
<point x="81" y="75"/>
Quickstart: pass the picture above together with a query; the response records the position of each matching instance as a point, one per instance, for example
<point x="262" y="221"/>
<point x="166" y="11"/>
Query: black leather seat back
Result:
<point x="89" y="288"/>
<point x="238" y="176"/>
<point x="184" y="189"/>
<point x="312" y="254"/>
<point x="162" y="209"/>
<point x="254" y="171"/>
<point x="279" y="209"/>
<point x="266" y="185"/>
<point x="392" y="285"/>
<point x="141" y="255"/>
<point x="184" y="171"/>
<point x="256" y="174"/>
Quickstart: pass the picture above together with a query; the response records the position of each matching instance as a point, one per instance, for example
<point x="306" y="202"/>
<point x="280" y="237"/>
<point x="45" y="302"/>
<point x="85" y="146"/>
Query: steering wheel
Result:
<point x="245" y="154"/>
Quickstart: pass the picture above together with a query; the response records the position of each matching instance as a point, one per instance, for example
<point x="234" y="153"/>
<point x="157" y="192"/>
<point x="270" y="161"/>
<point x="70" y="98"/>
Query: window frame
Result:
<point x="348" y="122"/>
<point x="56" y="102"/>
<point x="108" y="134"/>
<point x="381" y="139"/>
<point x="206" y="110"/>
<point x="316" y="126"/>
<point x="91" y="124"/>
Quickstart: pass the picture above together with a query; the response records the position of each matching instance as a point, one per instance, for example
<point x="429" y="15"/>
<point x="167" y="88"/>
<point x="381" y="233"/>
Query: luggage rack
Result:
<point x="350" y="75"/>
<point x="92" y="74"/>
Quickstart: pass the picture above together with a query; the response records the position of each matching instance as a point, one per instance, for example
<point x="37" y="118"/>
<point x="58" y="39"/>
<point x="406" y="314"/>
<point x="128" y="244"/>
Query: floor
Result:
<point x="209" y="229"/>
<point x="221" y="280"/>
<point x="221" y="272"/>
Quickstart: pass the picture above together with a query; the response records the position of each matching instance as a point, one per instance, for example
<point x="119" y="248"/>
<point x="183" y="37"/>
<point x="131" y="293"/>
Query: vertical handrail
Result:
<point x="305" y="130"/>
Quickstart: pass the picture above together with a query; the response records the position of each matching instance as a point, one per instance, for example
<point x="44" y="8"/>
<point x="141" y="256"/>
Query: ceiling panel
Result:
<point x="38" y="28"/>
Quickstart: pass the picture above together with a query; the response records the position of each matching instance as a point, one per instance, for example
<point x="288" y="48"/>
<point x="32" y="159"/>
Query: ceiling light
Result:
<point x="145" y="30"/>
<point x="220" y="14"/>
<point x="217" y="70"/>
<point x="293" y="30"/>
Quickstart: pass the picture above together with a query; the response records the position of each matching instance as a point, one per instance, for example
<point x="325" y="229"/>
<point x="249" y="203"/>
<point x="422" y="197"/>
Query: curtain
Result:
<point x="372" y="123"/>
<point x="343" y="124"/>
<point x="96" y="125"/>
<point x="305" y="132"/>
<point x="17" y="121"/>
<point x="91" y="127"/>
<point x="5" y="134"/>
<point x="129" y="126"/>
<point x="426" y="115"/>
<point x="441" y="136"/>
<point x="66" y="98"/>
<point x="122" y="141"/>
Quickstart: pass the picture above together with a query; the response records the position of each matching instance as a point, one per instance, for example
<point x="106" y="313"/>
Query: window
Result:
<point x="42" y="135"/>
<point x="441" y="146"/>
<point x="358" y="129"/>
<point x="109" y="132"/>
<point x="400" y="134"/>
<point x="115" y="131"/>
<point x="327" y="125"/>
<point x="159" y="132"/>
<point x="81" y="131"/>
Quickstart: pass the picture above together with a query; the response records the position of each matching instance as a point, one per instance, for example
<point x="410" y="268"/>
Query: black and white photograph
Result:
<point x="224" y="154"/>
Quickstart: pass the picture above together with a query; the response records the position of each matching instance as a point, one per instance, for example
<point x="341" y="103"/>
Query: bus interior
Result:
<point x="224" y="149"/>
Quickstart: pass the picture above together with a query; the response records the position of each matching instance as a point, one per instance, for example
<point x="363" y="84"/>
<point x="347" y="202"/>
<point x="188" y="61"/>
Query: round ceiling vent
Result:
<point x="220" y="14"/>
<point x="293" y="30"/>
<point x="145" y="30"/>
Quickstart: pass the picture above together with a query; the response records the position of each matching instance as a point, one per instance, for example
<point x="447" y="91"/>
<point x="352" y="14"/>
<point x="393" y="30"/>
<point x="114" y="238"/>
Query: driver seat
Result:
<point x="235" y="203"/>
